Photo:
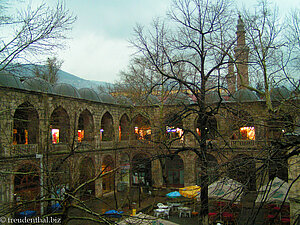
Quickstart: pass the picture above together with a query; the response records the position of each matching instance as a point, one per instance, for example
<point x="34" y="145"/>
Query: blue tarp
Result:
<point x="27" y="213"/>
<point x="56" y="206"/>
<point x="114" y="213"/>
<point x="174" y="194"/>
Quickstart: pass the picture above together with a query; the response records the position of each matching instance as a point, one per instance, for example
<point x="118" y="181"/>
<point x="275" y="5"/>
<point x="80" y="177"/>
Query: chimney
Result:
<point x="241" y="56"/>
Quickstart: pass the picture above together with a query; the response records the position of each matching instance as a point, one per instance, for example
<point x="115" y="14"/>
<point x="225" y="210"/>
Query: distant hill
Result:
<point x="27" y="70"/>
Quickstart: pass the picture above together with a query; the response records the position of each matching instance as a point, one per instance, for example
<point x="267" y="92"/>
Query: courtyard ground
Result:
<point x="148" y="202"/>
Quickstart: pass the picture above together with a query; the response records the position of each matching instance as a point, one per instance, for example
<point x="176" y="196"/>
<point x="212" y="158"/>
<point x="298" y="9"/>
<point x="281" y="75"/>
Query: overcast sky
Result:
<point x="99" y="47"/>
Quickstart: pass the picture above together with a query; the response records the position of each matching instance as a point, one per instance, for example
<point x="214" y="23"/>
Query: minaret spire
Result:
<point x="241" y="55"/>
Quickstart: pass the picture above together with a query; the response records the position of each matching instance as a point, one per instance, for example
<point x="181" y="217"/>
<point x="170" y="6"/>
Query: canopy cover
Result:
<point x="275" y="191"/>
<point x="190" y="191"/>
<point x="226" y="188"/>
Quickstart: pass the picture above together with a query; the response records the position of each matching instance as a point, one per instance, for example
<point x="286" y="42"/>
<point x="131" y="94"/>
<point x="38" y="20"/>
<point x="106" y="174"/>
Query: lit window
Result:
<point x="174" y="132"/>
<point x="247" y="133"/>
<point x="55" y="136"/>
<point x="80" y="135"/>
<point x="142" y="133"/>
<point x="101" y="134"/>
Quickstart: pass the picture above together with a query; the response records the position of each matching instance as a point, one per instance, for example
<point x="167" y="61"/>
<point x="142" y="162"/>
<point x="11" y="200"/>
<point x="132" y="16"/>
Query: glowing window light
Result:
<point x="101" y="135"/>
<point x="248" y="133"/>
<point x="136" y="130"/>
<point x="80" y="135"/>
<point x="55" y="136"/>
<point x="175" y="132"/>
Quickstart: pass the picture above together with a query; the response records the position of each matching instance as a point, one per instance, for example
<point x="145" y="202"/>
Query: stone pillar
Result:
<point x="262" y="175"/>
<point x="6" y="129"/>
<point x="189" y="168"/>
<point x="97" y="126"/>
<point x="157" y="177"/>
<point x="98" y="182"/>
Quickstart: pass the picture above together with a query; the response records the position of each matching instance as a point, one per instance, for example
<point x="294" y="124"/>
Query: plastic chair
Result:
<point x="212" y="217"/>
<point x="161" y="206"/>
<point x="167" y="213"/>
<point x="227" y="217"/>
<point x="285" y="220"/>
<point x="158" y="213"/>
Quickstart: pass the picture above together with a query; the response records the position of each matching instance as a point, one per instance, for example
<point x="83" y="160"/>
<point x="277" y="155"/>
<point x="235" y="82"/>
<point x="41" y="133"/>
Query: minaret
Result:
<point x="231" y="78"/>
<point x="241" y="55"/>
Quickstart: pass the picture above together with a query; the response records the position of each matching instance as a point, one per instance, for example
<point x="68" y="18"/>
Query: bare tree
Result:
<point x="271" y="53"/>
<point x="192" y="53"/>
<point x="33" y="31"/>
<point x="49" y="72"/>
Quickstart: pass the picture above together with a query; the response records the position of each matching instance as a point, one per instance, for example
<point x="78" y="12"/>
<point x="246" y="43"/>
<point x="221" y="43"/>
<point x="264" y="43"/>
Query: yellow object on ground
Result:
<point x="190" y="191"/>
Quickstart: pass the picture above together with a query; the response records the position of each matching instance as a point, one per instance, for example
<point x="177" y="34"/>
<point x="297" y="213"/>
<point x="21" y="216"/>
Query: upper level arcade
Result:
<point x="39" y="119"/>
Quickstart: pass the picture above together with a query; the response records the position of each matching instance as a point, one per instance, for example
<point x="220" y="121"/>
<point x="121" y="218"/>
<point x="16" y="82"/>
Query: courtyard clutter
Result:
<point x="144" y="219"/>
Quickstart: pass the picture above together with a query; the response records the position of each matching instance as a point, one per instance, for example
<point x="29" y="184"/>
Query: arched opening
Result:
<point x="59" y="179"/>
<point x="59" y="126"/>
<point x="242" y="126"/>
<point x="175" y="171"/>
<point x="87" y="172"/>
<point x="141" y="170"/>
<point x="142" y="128"/>
<point x="108" y="180"/>
<point x="125" y="168"/>
<point x="25" y="125"/>
<point x="107" y="128"/>
<point x="174" y="127"/>
<point x="211" y="128"/>
<point x="27" y="187"/>
<point x="278" y="126"/>
<point x="85" y="127"/>
<point x="212" y="170"/>
<point x="278" y="167"/>
<point x="124" y="128"/>
<point x="242" y="169"/>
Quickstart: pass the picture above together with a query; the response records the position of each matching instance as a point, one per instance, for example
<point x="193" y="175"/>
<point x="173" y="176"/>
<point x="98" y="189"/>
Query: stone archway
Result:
<point x="60" y="126"/>
<point x="108" y="180"/>
<point x="278" y="167"/>
<point x="86" y="173"/>
<point x="27" y="186"/>
<point x="60" y="173"/>
<point x="211" y="129"/>
<point x="124" y="128"/>
<point x="142" y="128"/>
<point x="174" y="126"/>
<point x="107" y="128"/>
<point x="85" y="127"/>
<point x="125" y="168"/>
<point x="25" y="125"/>
<point x="141" y="170"/>
<point x="175" y="171"/>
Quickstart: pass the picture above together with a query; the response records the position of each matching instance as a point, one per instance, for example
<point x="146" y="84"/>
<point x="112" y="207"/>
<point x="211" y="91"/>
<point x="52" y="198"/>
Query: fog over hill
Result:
<point x="27" y="70"/>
